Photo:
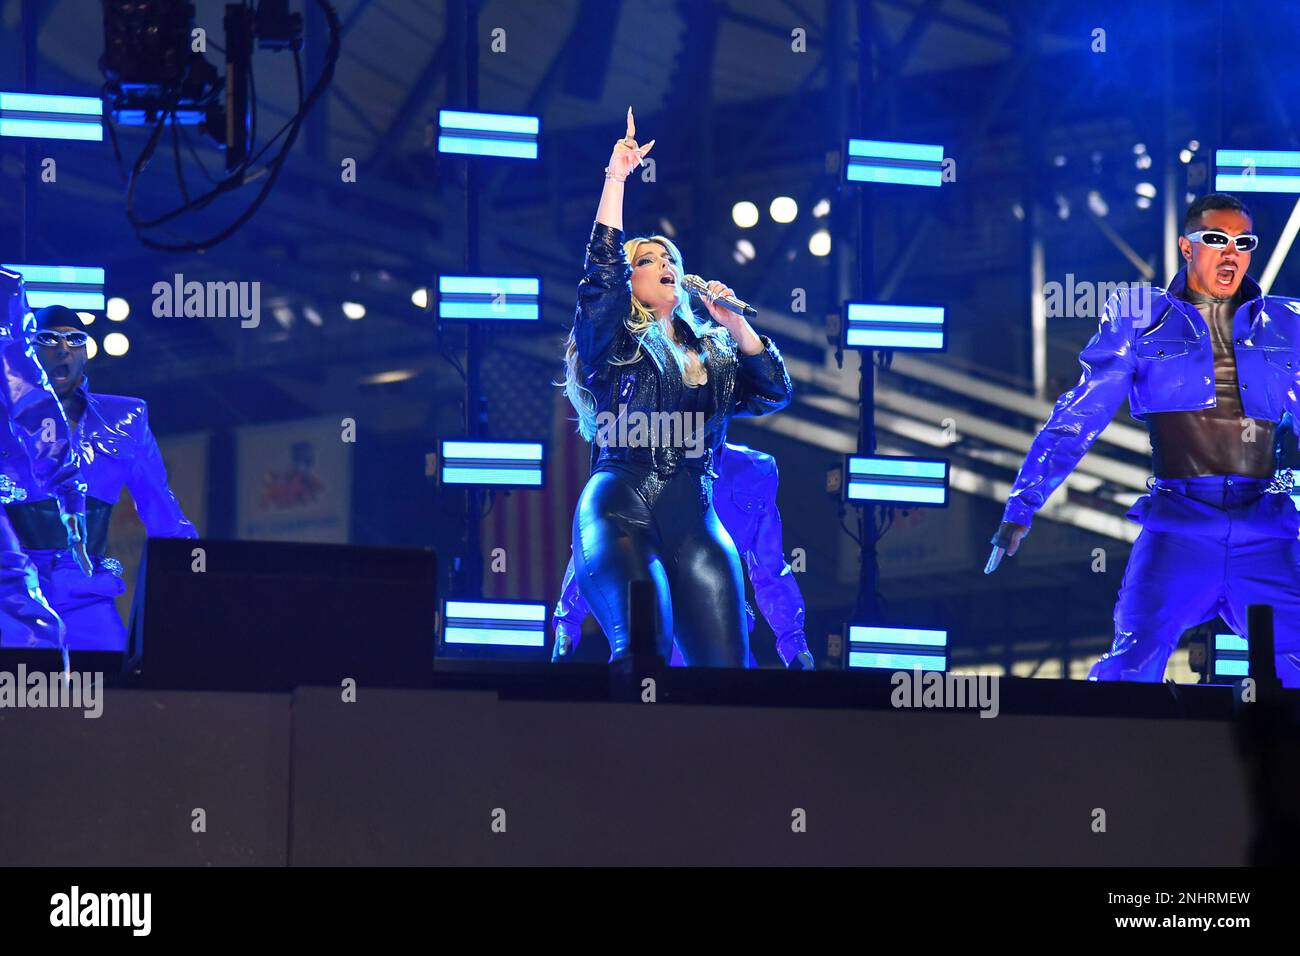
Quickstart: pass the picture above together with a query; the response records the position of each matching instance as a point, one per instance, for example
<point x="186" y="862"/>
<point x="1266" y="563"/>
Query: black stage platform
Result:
<point x="567" y="765"/>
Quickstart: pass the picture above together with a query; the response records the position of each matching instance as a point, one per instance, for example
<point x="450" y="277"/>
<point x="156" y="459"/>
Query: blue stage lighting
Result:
<point x="494" y="624"/>
<point x="904" y="164"/>
<point x="896" y="481"/>
<point x="868" y="326"/>
<point x="513" y="298"/>
<point x="77" y="287"/>
<point x="1257" y="171"/>
<point x="897" y="648"/>
<point x="488" y="134"/>
<point x="502" y="464"/>
<point x="37" y="116"/>
<point x="1229" y="657"/>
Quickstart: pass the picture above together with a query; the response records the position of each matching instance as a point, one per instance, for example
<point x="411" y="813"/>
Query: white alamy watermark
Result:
<point x="75" y="908"/>
<point x="208" y="300"/>
<point x="647" y="429"/>
<point x="1075" y="299"/>
<point x="943" y="689"/>
<point x="79" y="690"/>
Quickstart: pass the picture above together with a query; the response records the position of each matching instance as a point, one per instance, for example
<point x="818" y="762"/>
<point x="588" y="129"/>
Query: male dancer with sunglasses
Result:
<point x="1211" y="365"/>
<point x="37" y="436"/>
<point x="117" y="449"/>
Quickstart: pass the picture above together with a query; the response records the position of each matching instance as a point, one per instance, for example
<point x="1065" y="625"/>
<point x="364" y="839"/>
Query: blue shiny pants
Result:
<point x="675" y="541"/>
<point x="1209" y="546"/>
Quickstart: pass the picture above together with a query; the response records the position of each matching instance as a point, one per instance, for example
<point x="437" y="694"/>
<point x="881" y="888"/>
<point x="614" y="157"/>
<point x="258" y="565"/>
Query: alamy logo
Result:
<point x="661" y="429"/>
<point x="1085" y="300"/>
<point x="208" y="300"/>
<point x="39" y="689"/>
<point x="935" y="689"/>
<point x="102" y="909"/>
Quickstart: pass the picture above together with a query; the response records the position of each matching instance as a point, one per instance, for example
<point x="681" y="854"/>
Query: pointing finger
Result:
<point x="644" y="151"/>
<point x="631" y="124"/>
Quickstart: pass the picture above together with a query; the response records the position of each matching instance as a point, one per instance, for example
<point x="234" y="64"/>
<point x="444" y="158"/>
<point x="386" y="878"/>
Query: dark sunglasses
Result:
<point x="1214" y="239"/>
<point x="49" y="339"/>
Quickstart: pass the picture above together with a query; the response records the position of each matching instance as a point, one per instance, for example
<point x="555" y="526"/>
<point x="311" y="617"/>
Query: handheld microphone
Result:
<point x="698" y="287"/>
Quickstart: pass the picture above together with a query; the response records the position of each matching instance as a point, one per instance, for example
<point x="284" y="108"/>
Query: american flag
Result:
<point x="533" y="526"/>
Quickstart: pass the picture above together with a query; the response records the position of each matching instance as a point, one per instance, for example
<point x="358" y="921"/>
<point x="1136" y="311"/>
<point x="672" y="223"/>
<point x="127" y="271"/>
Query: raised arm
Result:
<point x="604" y="293"/>
<point x="36" y="417"/>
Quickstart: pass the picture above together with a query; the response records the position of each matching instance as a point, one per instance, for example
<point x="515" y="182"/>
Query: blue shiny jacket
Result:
<point x="1154" y="349"/>
<point x="744" y="497"/>
<point x="117" y="449"/>
<point x="38" y="431"/>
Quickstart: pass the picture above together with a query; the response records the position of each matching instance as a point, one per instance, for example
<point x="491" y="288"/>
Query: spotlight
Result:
<point x="897" y="648"/>
<point x="1139" y="149"/>
<point x="485" y="625"/>
<point x="420" y="298"/>
<point x="1018" y="211"/>
<point x="896" y="480"/>
<point x="907" y="164"/>
<point x="783" y="209"/>
<point x="390" y="377"/>
<point x="1146" y="189"/>
<point x="819" y="243"/>
<point x="1097" y="204"/>
<point x="1185" y="155"/>
<point x="667" y="227"/>
<point x="37" y="116"/>
<point x="746" y="249"/>
<point x="115" y="344"/>
<point x="508" y="298"/>
<point x="1257" y="171"/>
<point x="869" y="325"/>
<point x="1143" y="202"/>
<point x="92" y="348"/>
<point x="86" y="317"/>
<point x="354" y="310"/>
<point x="282" y="314"/>
<point x="1143" y="161"/>
<point x="501" y="464"/>
<point x="1058" y="161"/>
<point x="822" y="208"/>
<point x="744" y="214"/>
<point x="488" y="134"/>
<point x="311" y="315"/>
<point x="1193" y="144"/>
<point x="77" y="287"/>
<point x="117" y="310"/>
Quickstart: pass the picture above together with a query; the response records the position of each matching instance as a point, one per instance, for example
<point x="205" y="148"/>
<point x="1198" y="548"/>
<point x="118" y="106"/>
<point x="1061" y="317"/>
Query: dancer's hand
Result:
<point x="1006" y="541"/>
<point x="566" y="641"/>
<point x="627" y="155"/>
<point x="75" y="525"/>
<point x="724" y="317"/>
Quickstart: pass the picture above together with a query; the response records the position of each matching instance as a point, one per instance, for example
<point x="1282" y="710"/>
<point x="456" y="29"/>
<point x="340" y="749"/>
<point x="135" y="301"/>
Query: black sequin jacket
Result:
<point x="737" y="384"/>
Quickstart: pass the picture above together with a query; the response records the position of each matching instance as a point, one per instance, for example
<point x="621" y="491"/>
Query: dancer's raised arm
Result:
<point x="627" y="156"/>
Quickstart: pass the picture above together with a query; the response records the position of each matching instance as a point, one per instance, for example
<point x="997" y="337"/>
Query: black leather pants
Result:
<point x="631" y="525"/>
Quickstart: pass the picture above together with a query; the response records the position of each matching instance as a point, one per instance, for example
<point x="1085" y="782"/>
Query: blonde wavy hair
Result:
<point x="641" y="322"/>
